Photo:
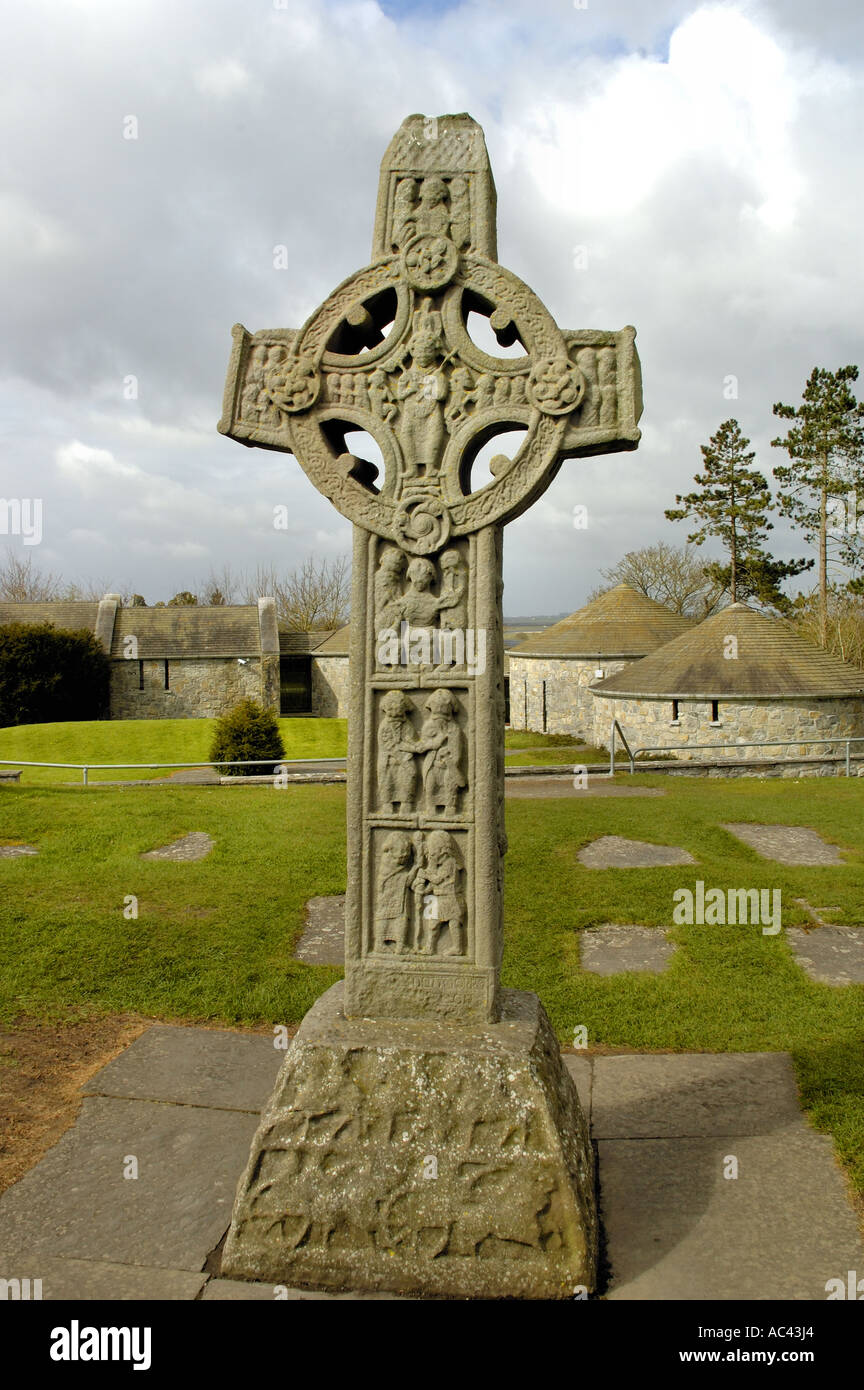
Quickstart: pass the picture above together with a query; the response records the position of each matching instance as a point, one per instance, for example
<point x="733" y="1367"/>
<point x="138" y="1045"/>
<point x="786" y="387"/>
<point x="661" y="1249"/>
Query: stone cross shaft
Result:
<point x="390" y="353"/>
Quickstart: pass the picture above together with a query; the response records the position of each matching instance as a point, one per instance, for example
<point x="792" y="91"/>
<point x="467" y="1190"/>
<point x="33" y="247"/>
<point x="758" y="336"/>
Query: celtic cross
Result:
<point x="390" y="353"/>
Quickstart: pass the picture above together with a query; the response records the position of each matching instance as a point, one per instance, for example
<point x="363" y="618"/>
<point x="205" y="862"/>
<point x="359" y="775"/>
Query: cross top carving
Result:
<point x="389" y="353"/>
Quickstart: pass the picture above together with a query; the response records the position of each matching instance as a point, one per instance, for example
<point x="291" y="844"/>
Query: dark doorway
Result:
<point x="295" y="682"/>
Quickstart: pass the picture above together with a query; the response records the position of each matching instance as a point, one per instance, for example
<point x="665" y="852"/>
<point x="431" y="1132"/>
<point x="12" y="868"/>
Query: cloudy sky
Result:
<point x="707" y="157"/>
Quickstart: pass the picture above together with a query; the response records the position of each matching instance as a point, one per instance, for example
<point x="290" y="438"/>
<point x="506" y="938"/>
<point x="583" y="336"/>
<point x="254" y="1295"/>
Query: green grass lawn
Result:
<point x="549" y="749"/>
<point x="139" y="740"/>
<point x="213" y="941"/>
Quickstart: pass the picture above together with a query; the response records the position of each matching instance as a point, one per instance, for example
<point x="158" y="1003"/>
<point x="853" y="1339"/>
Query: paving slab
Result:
<point x="676" y="1228"/>
<point x="17" y="851"/>
<point x="696" y="1094"/>
<point x="582" y="1071"/>
<point x="786" y="844"/>
<point x="189" y="848"/>
<point x="237" y="1290"/>
<point x="94" y="1279"/>
<point x="77" y="1204"/>
<point x="323" y="939"/>
<point x="614" y="949"/>
<point x="543" y="787"/>
<point x="829" y="955"/>
<point x="193" y="1066"/>
<point x="614" y="852"/>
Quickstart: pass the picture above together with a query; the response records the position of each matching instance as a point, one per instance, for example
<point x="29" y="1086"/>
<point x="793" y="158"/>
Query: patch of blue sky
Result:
<point x="411" y="9"/>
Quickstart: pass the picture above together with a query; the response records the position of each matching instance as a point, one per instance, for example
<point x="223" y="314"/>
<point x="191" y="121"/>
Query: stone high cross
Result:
<point x="426" y="747"/>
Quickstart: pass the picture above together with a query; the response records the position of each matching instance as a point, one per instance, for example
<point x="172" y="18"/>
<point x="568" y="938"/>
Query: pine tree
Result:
<point x="826" y="449"/>
<point x="732" y="504"/>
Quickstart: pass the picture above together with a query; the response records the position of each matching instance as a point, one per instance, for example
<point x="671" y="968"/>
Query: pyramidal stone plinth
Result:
<point x="423" y="1135"/>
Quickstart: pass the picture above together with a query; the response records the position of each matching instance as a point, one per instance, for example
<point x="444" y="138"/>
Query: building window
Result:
<point x="674" y="711"/>
<point x="543" y="706"/>
<point x="167" y="680"/>
<point x="715" y="711"/>
<point x="140" y="675"/>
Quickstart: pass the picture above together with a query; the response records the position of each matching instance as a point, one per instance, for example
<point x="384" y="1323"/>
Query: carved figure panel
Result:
<point x="421" y="754"/>
<point x="421" y="612"/>
<point x="419" y="894"/>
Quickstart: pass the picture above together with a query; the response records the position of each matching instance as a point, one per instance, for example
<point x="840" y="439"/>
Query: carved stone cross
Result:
<point x="389" y="353"/>
<point x="423" y="1134"/>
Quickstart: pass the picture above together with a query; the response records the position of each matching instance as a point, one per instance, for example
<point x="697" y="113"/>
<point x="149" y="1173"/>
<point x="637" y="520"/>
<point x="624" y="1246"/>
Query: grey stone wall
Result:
<point x="649" y="722"/>
<point x="330" y="687"/>
<point x="198" y="688"/>
<point x="569" y="703"/>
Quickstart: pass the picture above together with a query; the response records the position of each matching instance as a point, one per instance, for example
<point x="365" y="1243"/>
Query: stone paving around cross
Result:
<point x="184" y="1102"/>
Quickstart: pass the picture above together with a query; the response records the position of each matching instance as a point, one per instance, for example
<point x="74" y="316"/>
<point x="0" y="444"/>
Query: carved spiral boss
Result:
<point x="389" y="353"/>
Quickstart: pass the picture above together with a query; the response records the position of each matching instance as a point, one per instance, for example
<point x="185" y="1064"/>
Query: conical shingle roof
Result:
<point x="772" y="662"/>
<point x="620" y="623"/>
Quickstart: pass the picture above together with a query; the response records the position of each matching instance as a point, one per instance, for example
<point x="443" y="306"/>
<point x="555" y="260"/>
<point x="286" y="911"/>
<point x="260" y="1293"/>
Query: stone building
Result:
<point x="190" y="662"/>
<point x="551" y="672"/>
<point x="738" y="676"/>
<point x="329" y="696"/>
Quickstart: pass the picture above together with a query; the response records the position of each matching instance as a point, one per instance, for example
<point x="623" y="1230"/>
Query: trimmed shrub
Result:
<point x="247" y="731"/>
<point x="48" y="675"/>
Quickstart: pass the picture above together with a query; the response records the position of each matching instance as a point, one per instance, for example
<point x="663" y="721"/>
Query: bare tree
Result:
<point x="221" y="587"/>
<point x="844" y="622"/>
<point x="21" y="582"/>
<point x="309" y="598"/>
<point x="672" y="575"/>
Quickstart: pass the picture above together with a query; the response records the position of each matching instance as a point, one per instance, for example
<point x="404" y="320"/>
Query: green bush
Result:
<point x="48" y="676"/>
<point x="247" y="731"/>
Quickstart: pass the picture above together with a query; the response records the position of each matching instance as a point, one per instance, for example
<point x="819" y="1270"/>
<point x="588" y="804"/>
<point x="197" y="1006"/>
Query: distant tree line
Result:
<point x="820" y="492"/>
<point x="313" y="596"/>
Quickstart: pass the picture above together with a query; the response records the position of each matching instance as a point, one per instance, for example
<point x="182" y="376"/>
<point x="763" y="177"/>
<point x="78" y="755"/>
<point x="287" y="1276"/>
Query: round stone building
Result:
<point x="736" y="677"/>
<point x="551" y="672"/>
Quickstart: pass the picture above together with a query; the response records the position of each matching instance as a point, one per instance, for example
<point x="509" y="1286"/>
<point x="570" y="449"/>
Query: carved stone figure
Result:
<point x="397" y="744"/>
<point x="433" y="213"/>
<point x="443" y="743"/>
<point x="460" y="212"/>
<point x="420" y="390"/>
<point x="438" y="880"/>
<point x="388" y="589"/>
<point x="254" y="382"/>
<point x="404" y="227"/>
<point x="392" y="922"/>
<point x="419" y="604"/>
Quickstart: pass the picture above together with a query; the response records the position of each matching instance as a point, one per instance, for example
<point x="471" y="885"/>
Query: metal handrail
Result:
<point x="617" y="727"/>
<point x="744" y="743"/>
<point x="222" y="762"/>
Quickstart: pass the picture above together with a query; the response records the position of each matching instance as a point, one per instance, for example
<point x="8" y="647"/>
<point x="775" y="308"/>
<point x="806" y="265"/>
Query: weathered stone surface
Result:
<point x="677" y="1228"/>
<point x="692" y="1094"/>
<point x="192" y="1066"/>
<point x="336" y="1192"/>
<point x="17" y="851"/>
<point x="787" y="844"/>
<point x="77" y="1203"/>
<point x="323" y="939"/>
<point x="830" y="955"/>
<point x="241" y="1291"/>
<point x="330" y="686"/>
<point x="89" y="1280"/>
<point x="613" y="949"/>
<point x="615" y="852"/>
<point x="196" y="845"/>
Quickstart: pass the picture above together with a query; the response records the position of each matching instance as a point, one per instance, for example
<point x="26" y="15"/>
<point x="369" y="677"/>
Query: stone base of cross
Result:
<point x="423" y="1134"/>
